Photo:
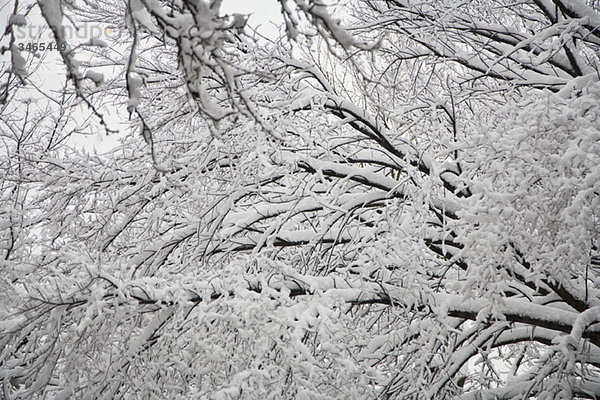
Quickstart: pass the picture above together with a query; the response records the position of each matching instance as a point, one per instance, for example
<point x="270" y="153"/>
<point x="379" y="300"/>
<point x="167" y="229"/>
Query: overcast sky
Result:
<point x="262" y="12"/>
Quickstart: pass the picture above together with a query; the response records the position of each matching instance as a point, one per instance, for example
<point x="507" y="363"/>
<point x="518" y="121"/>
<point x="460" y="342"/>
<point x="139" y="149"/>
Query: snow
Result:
<point x="17" y="19"/>
<point x="142" y="16"/>
<point x="584" y="321"/>
<point x="96" y="77"/>
<point x="52" y="11"/>
<point x="579" y="9"/>
<point x="12" y="323"/>
<point x="303" y="263"/>
<point x="209" y="106"/>
<point x="518" y="310"/>
<point x="19" y="63"/>
<point x="368" y="176"/>
<point x="97" y="42"/>
<point x="134" y="83"/>
<point x="321" y="15"/>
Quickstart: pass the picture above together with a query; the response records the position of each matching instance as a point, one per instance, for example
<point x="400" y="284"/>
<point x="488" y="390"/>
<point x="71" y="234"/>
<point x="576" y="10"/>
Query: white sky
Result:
<point x="262" y="12"/>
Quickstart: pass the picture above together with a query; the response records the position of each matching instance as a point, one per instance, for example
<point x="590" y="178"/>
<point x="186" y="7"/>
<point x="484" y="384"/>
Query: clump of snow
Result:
<point x="134" y="82"/>
<point x="18" y="62"/>
<point x="583" y="321"/>
<point x="96" y="77"/>
<point x="17" y="19"/>
<point x="142" y="16"/>
<point x="95" y="41"/>
<point x="319" y="12"/>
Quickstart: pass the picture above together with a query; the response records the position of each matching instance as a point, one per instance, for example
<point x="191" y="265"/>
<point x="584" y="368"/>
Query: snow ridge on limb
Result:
<point x="362" y="121"/>
<point x="486" y="46"/>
